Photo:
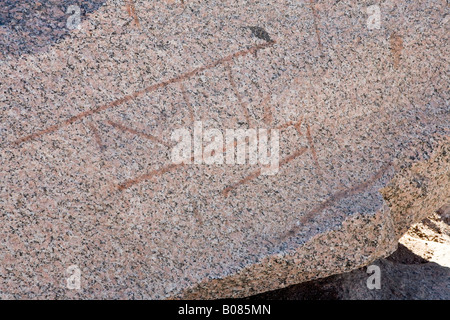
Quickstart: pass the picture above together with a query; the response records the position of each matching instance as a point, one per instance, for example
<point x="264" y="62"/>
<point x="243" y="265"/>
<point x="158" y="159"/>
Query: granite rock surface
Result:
<point x="418" y="270"/>
<point x="88" y="189"/>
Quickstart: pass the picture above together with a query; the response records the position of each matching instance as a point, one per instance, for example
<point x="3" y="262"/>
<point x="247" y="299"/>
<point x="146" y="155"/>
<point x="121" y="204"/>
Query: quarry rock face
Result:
<point x="95" y="201"/>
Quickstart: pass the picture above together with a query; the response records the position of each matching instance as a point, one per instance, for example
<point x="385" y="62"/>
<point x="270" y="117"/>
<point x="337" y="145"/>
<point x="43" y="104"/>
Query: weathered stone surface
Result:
<point x="418" y="270"/>
<point x="86" y="176"/>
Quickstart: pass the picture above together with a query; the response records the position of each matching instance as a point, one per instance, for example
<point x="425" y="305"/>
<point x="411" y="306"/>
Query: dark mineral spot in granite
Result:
<point x="30" y="26"/>
<point x="260" y="33"/>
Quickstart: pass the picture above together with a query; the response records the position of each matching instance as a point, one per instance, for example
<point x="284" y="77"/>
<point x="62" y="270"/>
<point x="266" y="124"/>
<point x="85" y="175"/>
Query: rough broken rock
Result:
<point x="418" y="270"/>
<point x="86" y="179"/>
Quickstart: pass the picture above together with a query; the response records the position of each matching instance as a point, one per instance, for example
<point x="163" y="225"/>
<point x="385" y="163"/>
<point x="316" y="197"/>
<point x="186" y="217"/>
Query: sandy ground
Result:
<point x="418" y="270"/>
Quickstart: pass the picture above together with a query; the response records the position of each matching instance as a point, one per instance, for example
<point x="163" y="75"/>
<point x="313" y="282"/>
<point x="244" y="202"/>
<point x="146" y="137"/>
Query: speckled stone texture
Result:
<point x="86" y="117"/>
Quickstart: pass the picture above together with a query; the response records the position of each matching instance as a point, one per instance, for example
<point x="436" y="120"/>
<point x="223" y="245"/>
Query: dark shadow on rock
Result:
<point x="444" y="212"/>
<point x="404" y="276"/>
<point x="321" y="289"/>
<point x="405" y="256"/>
<point x="30" y="26"/>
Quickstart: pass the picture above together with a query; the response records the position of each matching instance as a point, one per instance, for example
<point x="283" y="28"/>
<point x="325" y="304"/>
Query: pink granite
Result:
<point x="86" y="177"/>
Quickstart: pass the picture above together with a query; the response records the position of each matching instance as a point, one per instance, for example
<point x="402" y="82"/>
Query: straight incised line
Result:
<point x="127" y="184"/>
<point x="396" y="48"/>
<point x="295" y="124"/>
<point x="286" y="125"/>
<point x="313" y="149"/>
<point x="268" y="116"/>
<point x="238" y="95"/>
<point x="139" y="133"/>
<point x="255" y="174"/>
<point x="96" y="134"/>
<point x="188" y="103"/>
<point x="337" y="196"/>
<point x="132" y="12"/>
<point x="298" y="125"/>
<point x="316" y="18"/>
<point x="136" y="94"/>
